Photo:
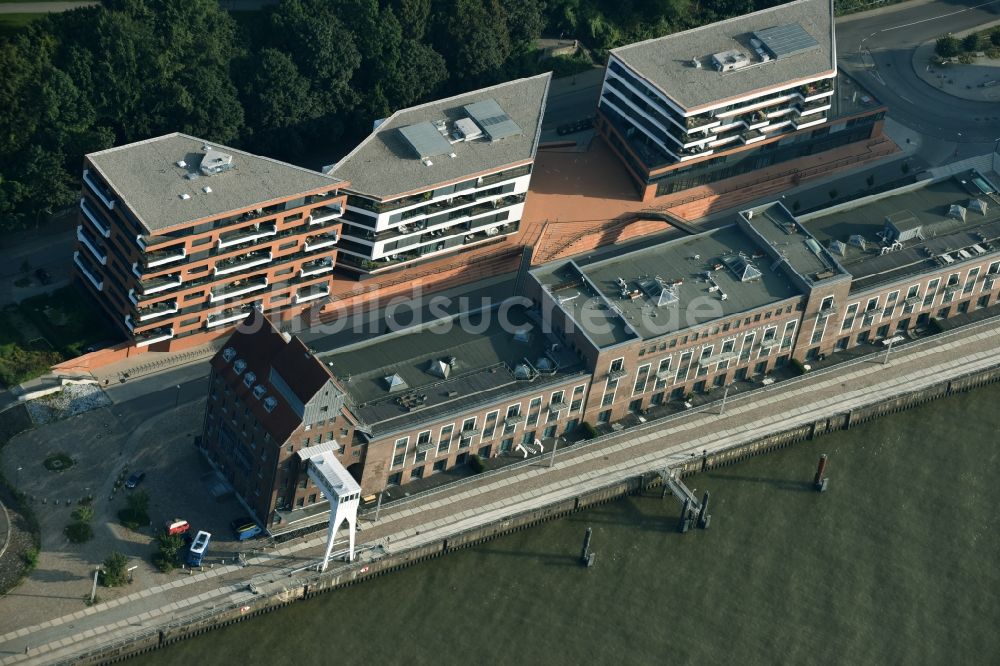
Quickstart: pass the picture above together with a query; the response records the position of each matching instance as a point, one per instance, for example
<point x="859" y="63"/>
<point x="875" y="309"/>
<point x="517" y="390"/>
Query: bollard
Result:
<point x="586" y="545"/>
<point x="819" y="481"/>
<point x="703" y="518"/>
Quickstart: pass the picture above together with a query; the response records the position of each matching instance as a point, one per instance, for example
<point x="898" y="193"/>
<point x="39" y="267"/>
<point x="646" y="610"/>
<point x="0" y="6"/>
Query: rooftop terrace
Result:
<point x="393" y="160"/>
<point x="666" y="287"/>
<point x="397" y="381"/>
<point x="668" y="62"/>
<point x="931" y="229"/>
<point x="149" y="178"/>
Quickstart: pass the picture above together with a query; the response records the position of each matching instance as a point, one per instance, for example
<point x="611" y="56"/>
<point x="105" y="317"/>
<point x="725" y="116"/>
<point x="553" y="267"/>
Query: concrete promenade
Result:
<point x="430" y="517"/>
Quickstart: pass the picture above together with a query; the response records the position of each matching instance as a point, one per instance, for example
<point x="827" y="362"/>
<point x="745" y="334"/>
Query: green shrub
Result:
<point x="476" y="463"/>
<point x="995" y="37"/>
<point x="132" y="519"/>
<point x="31" y="559"/>
<point x="79" y="532"/>
<point x="115" y="570"/>
<point x="948" y="47"/>
<point x="589" y="431"/>
<point x="83" y="514"/>
<point x="168" y="551"/>
<point x="971" y="42"/>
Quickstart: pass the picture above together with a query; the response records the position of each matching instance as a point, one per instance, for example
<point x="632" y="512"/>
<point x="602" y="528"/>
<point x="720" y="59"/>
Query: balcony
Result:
<point x="238" y="288"/>
<point x="319" y="241"/>
<point x="809" y="121"/>
<point x="100" y="225"/>
<point x="98" y="190"/>
<point x="156" y="335"/>
<point x="312" y="293"/>
<point x="155" y="310"/>
<point x="752" y="136"/>
<point x="617" y="374"/>
<point x="558" y="406"/>
<point x="328" y="212"/>
<point x="247" y="234"/>
<point x="229" y="315"/>
<point x="161" y="257"/>
<point x="87" y="272"/>
<point x="157" y="284"/>
<point x="815" y="90"/>
<point x="88" y="241"/>
<point x="698" y="122"/>
<point x="316" y="267"/>
<point x="237" y="264"/>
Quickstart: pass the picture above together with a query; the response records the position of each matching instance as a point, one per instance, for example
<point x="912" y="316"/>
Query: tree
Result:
<point x="168" y="553"/>
<point x="114" y="572"/>
<point x="413" y="15"/>
<point x="947" y="47"/>
<point x="278" y="101"/>
<point x="524" y="23"/>
<point x="995" y="37"/>
<point x="971" y="43"/>
<point x="472" y="36"/>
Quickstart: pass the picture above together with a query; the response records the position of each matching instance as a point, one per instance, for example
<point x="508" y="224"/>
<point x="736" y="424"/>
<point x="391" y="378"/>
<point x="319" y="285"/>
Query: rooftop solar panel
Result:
<point x="488" y="115"/>
<point x="425" y="140"/>
<point x="787" y="40"/>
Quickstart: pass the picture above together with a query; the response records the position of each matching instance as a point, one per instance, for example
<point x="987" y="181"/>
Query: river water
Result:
<point x="896" y="563"/>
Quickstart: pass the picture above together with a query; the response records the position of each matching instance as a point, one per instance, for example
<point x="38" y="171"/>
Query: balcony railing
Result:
<point x="229" y="315"/>
<point x="89" y="273"/>
<point x="316" y="267"/>
<point x="162" y="283"/>
<point x="617" y="374"/>
<point x="147" y="338"/>
<point x="247" y="234"/>
<point x="236" y="264"/>
<point x="98" y="190"/>
<point x="320" y="241"/>
<point x="156" y="310"/>
<point x="312" y="293"/>
<point x="99" y="224"/>
<point x="84" y="236"/>
<point x="238" y="288"/>
<point x="326" y="213"/>
<point x="694" y="122"/>
<point x="161" y="257"/>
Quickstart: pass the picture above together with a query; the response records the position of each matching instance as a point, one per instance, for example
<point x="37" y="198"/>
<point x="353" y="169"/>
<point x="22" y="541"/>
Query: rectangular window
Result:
<point x="491" y="424"/>
<point x="287" y="246"/>
<point x="397" y="460"/>
<point x="617" y="364"/>
<point x="469" y="424"/>
<point x="931" y="292"/>
<point x="970" y="281"/>
<point x="640" y="379"/>
<point x="194" y="296"/>
<point x="444" y="440"/>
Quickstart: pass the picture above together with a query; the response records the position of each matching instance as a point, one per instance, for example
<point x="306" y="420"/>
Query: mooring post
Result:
<point x="819" y="481"/>
<point x="684" y="523"/>
<point x="586" y="557"/>
<point x="703" y="517"/>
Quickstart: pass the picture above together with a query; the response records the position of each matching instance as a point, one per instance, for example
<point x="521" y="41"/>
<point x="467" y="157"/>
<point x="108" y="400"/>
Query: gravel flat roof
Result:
<point x="146" y="177"/>
<point x="666" y="62"/>
<point x="385" y="165"/>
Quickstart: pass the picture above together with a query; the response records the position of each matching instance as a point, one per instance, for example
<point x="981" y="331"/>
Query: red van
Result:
<point x="177" y="526"/>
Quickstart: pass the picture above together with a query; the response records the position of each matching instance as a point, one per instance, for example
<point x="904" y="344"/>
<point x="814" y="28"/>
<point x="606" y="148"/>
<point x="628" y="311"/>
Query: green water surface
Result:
<point x="895" y="564"/>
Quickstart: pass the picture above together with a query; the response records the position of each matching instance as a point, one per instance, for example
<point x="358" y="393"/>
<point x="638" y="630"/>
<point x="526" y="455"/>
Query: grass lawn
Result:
<point x="44" y="330"/>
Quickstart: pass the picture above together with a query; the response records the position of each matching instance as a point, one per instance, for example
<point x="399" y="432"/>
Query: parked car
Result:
<point x="43" y="276"/>
<point x="135" y="479"/>
<point x="245" y="528"/>
<point x="177" y="526"/>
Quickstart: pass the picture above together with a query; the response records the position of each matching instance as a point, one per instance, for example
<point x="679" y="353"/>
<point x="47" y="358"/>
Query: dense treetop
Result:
<point x="300" y="81"/>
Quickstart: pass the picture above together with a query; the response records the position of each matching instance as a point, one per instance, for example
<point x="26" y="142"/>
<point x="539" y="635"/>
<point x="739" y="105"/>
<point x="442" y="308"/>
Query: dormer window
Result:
<point x="259" y="391"/>
<point x="240" y="366"/>
<point x="270" y="402"/>
<point x="228" y="354"/>
<point x="249" y="379"/>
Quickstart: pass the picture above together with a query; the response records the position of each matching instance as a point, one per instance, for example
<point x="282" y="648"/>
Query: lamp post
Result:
<point x="885" y="360"/>
<point x="177" y="397"/>
<point x="17" y="477"/>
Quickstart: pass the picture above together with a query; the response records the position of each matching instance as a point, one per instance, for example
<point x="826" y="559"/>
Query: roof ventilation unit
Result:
<point x="185" y="196"/>
<point x="206" y="189"/>
<point x="857" y="240"/>
<point x="838" y="247"/>
<point x="439" y="369"/>
<point x="957" y="212"/>
<point x="978" y="205"/>
<point x="522" y="371"/>
<point x="394" y="383"/>
<point x="181" y="163"/>
<point x="522" y="335"/>
<point x="215" y="161"/>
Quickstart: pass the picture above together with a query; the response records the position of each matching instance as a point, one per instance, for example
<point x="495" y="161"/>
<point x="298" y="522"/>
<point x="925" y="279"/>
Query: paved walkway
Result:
<point x="463" y="505"/>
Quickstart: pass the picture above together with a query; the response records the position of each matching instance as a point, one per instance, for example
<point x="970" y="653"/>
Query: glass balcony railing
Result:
<point x="230" y="315"/>
<point x="147" y="338"/>
<point x="318" y="241"/>
<point x="161" y="283"/>
<point x="247" y="234"/>
<point x="166" y="256"/>
<point x="238" y="288"/>
<point x="312" y="293"/>
<point x="316" y="267"/>
<point x="88" y="241"/>
<point x="326" y="213"/>
<point x="95" y="219"/>
<point x="242" y="262"/>
<point x="88" y="271"/>
<point x="155" y="310"/>
<point x="101" y="192"/>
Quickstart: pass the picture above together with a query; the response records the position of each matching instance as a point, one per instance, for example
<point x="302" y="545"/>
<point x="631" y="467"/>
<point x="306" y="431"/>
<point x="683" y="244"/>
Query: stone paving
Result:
<point x="428" y="518"/>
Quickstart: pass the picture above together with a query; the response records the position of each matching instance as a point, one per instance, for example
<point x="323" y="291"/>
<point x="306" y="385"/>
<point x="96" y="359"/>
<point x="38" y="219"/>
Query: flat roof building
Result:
<point x="677" y="108"/>
<point x="441" y="177"/>
<point x="178" y="236"/>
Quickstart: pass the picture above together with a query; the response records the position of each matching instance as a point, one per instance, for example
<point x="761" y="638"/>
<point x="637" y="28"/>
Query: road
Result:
<point x="877" y="47"/>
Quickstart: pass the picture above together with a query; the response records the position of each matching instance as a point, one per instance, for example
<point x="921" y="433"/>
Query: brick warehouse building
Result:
<point x="178" y="237"/>
<point x="595" y="340"/>
<point x="750" y="94"/>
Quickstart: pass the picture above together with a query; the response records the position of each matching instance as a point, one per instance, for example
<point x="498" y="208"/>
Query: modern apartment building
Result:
<point x="268" y="397"/>
<point x="179" y="237"/>
<point x="728" y="98"/>
<point x="599" y="339"/>
<point x="441" y="177"/>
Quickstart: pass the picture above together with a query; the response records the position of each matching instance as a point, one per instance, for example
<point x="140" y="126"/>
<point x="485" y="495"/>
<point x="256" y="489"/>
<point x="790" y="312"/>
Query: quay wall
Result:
<point x="297" y="590"/>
